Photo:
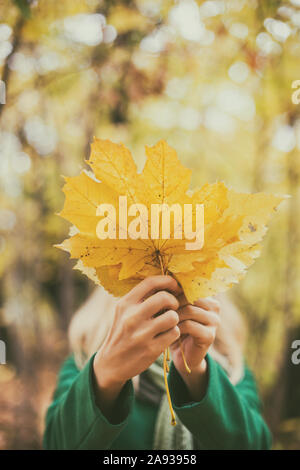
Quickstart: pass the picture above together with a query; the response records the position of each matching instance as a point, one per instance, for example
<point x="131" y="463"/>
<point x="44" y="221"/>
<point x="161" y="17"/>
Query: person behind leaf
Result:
<point x="111" y="392"/>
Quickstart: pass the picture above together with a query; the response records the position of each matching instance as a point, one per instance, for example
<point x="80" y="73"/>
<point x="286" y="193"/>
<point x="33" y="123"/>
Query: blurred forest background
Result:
<point x="213" y="78"/>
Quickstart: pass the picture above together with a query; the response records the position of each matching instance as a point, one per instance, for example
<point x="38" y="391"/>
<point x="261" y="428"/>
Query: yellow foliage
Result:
<point x="125" y="19"/>
<point x="234" y="223"/>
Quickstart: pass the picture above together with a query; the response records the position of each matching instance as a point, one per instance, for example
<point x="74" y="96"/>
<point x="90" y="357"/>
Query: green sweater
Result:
<point x="228" y="417"/>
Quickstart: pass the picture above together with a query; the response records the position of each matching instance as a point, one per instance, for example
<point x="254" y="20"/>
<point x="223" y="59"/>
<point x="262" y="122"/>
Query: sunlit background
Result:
<point x="213" y="78"/>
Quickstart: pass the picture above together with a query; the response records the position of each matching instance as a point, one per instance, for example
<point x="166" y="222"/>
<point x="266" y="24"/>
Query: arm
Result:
<point x="74" y="421"/>
<point x="227" y="417"/>
<point x="92" y="406"/>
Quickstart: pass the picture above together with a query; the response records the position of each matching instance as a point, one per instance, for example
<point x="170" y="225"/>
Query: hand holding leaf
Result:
<point x="234" y="225"/>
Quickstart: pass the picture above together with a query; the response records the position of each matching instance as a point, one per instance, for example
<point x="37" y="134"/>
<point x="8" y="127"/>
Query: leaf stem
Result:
<point x="166" y="365"/>
<point x="164" y="271"/>
<point x="183" y="357"/>
<point x="167" y="357"/>
<point x="173" y="420"/>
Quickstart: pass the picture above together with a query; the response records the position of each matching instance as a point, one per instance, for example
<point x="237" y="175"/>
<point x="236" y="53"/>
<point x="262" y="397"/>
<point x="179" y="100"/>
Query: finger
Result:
<point x="163" y="340"/>
<point x="164" y="322"/>
<point x="203" y="334"/>
<point x="198" y="314"/>
<point x="150" y="285"/>
<point x="182" y="300"/>
<point x="159" y="301"/>
<point x="209" y="303"/>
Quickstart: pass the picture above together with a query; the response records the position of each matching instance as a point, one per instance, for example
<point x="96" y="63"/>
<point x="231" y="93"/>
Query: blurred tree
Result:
<point x="214" y="79"/>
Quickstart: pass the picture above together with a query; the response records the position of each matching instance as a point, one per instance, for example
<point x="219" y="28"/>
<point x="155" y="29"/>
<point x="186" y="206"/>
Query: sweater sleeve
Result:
<point x="74" y="421"/>
<point x="228" y="417"/>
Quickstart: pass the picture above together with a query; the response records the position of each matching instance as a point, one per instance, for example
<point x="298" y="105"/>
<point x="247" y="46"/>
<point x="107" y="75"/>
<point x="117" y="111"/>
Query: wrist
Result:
<point x="197" y="380"/>
<point x="106" y="380"/>
<point x="106" y="389"/>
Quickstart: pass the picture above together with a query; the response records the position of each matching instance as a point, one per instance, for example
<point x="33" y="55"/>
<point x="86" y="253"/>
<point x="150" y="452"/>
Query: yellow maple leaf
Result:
<point x="234" y="223"/>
